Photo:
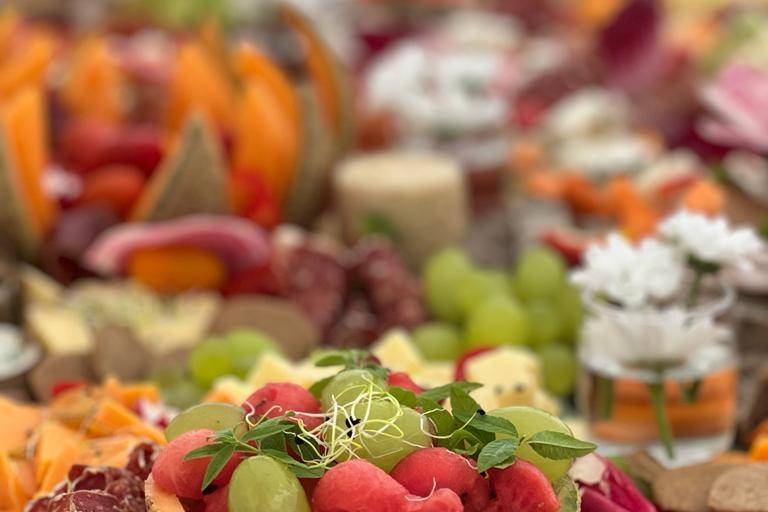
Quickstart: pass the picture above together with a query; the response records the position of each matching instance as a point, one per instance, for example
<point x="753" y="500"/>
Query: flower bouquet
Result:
<point x="659" y="366"/>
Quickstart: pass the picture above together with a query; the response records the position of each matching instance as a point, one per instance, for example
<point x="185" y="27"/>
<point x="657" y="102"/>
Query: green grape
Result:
<point x="571" y="309"/>
<point x="528" y="421"/>
<point x="476" y="286"/>
<point x="498" y="321"/>
<point x="377" y="430"/>
<point x="559" y="368"/>
<point x="209" y="361"/>
<point x="213" y="416"/>
<point x="267" y="485"/>
<point x="539" y="274"/>
<point x="545" y="323"/>
<point x="177" y="389"/>
<point x="441" y="273"/>
<point x="245" y="349"/>
<point x="438" y="341"/>
<point x="348" y="385"/>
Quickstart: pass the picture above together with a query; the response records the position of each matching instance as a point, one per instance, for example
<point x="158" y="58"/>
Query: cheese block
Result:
<point x="59" y="329"/>
<point x="422" y="197"/>
<point x="192" y="179"/>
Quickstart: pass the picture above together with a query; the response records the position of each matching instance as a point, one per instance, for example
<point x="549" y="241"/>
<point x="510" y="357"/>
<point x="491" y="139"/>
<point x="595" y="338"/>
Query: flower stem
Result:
<point x="605" y="396"/>
<point x="656" y="388"/>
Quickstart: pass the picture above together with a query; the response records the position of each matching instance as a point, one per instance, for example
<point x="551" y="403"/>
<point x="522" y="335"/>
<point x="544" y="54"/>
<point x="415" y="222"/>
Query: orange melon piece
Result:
<point x="129" y="395"/>
<point x="13" y="494"/>
<point x="265" y="139"/>
<point x="27" y="68"/>
<point x="198" y="84"/>
<point x="177" y="269"/>
<point x="15" y="432"/>
<point x="160" y="501"/>
<point x="111" y="451"/>
<point x="57" y="446"/>
<point x="322" y="66"/>
<point x="9" y="22"/>
<point x="250" y="64"/>
<point x="113" y="418"/>
<point x="24" y="120"/>
<point x="94" y="87"/>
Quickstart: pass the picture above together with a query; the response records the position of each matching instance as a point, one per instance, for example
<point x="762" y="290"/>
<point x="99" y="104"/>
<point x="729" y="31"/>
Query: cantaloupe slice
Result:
<point x="308" y="190"/>
<point x="9" y="22"/>
<point x="158" y="500"/>
<point x="94" y="87"/>
<point x="111" y="418"/>
<point x="192" y="179"/>
<point x="24" y="122"/>
<point x="27" y="67"/>
<point x="57" y="446"/>
<point x="251" y="64"/>
<point x="15" y="433"/>
<point x="266" y="139"/>
<point x="129" y="395"/>
<point x="328" y="77"/>
<point x="759" y="449"/>
<point x="13" y="494"/>
<point x="199" y="84"/>
<point x="113" y="451"/>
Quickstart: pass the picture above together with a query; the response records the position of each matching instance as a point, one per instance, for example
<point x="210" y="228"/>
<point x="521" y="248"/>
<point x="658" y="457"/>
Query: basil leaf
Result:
<point x="463" y="443"/>
<point x="267" y="428"/>
<point x="493" y="424"/>
<point x="298" y="468"/>
<point x="404" y="396"/>
<point x="317" y="388"/>
<point x="463" y="406"/>
<point x="559" y="446"/>
<point x="217" y="463"/>
<point x="440" y="393"/>
<point x="567" y="494"/>
<point x="497" y="454"/>
<point x="204" y="451"/>
<point x="333" y="359"/>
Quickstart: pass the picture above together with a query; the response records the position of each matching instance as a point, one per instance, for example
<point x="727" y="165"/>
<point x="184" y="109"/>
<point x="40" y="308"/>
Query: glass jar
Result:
<point x="662" y="378"/>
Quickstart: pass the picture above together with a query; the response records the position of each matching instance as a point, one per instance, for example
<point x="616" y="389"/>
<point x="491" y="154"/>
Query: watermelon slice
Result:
<point x="191" y="180"/>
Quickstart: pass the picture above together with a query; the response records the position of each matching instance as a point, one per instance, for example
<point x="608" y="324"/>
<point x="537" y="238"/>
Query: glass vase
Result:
<point x="663" y="378"/>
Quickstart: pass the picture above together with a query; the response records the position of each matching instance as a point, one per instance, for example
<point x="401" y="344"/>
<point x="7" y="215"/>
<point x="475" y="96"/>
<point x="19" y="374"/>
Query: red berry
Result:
<point x="185" y="477"/>
<point x="439" y="468"/>
<point x="403" y="380"/>
<point x="139" y="146"/>
<point x="217" y="500"/>
<point x="84" y="142"/>
<point x="276" y="399"/>
<point x="522" y="486"/>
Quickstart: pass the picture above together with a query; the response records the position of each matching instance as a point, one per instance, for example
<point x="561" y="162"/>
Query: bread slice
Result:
<point x="740" y="489"/>
<point x="686" y="489"/>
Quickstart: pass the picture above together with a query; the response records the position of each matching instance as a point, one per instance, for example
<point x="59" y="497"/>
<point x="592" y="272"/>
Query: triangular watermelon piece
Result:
<point x="192" y="179"/>
<point x="18" y="236"/>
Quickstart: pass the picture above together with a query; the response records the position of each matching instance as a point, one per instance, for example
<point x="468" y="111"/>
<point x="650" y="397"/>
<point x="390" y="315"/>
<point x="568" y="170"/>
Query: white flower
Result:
<point x="650" y="335"/>
<point x="711" y="240"/>
<point x="630" y="274"/>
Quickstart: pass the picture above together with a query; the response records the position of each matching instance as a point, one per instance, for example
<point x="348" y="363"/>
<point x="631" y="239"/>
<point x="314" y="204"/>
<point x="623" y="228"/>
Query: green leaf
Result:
<point x="463" y="406"/>
<point x="500" y="453"/>
<point x="333" y="359"/>
<point x="493" y="424"/>
<point x="298" y="468"/>
<point x="317" y="388"/>
<point x="404" y="396"/>
<point x="377" y="223"/>
<point x="567" y="494"/>
<point x="442" y="392"/>
<point x="266" y="429"/>
<point x="217" y="464"/>
<point x="558" y="446"/>
<point x="463" y="443"/>
<point x="204" y="451"/>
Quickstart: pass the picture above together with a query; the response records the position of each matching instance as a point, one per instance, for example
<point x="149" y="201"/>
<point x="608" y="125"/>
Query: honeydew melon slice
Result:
<point x="192" y="179"/>
<point x="17" y="233"/>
